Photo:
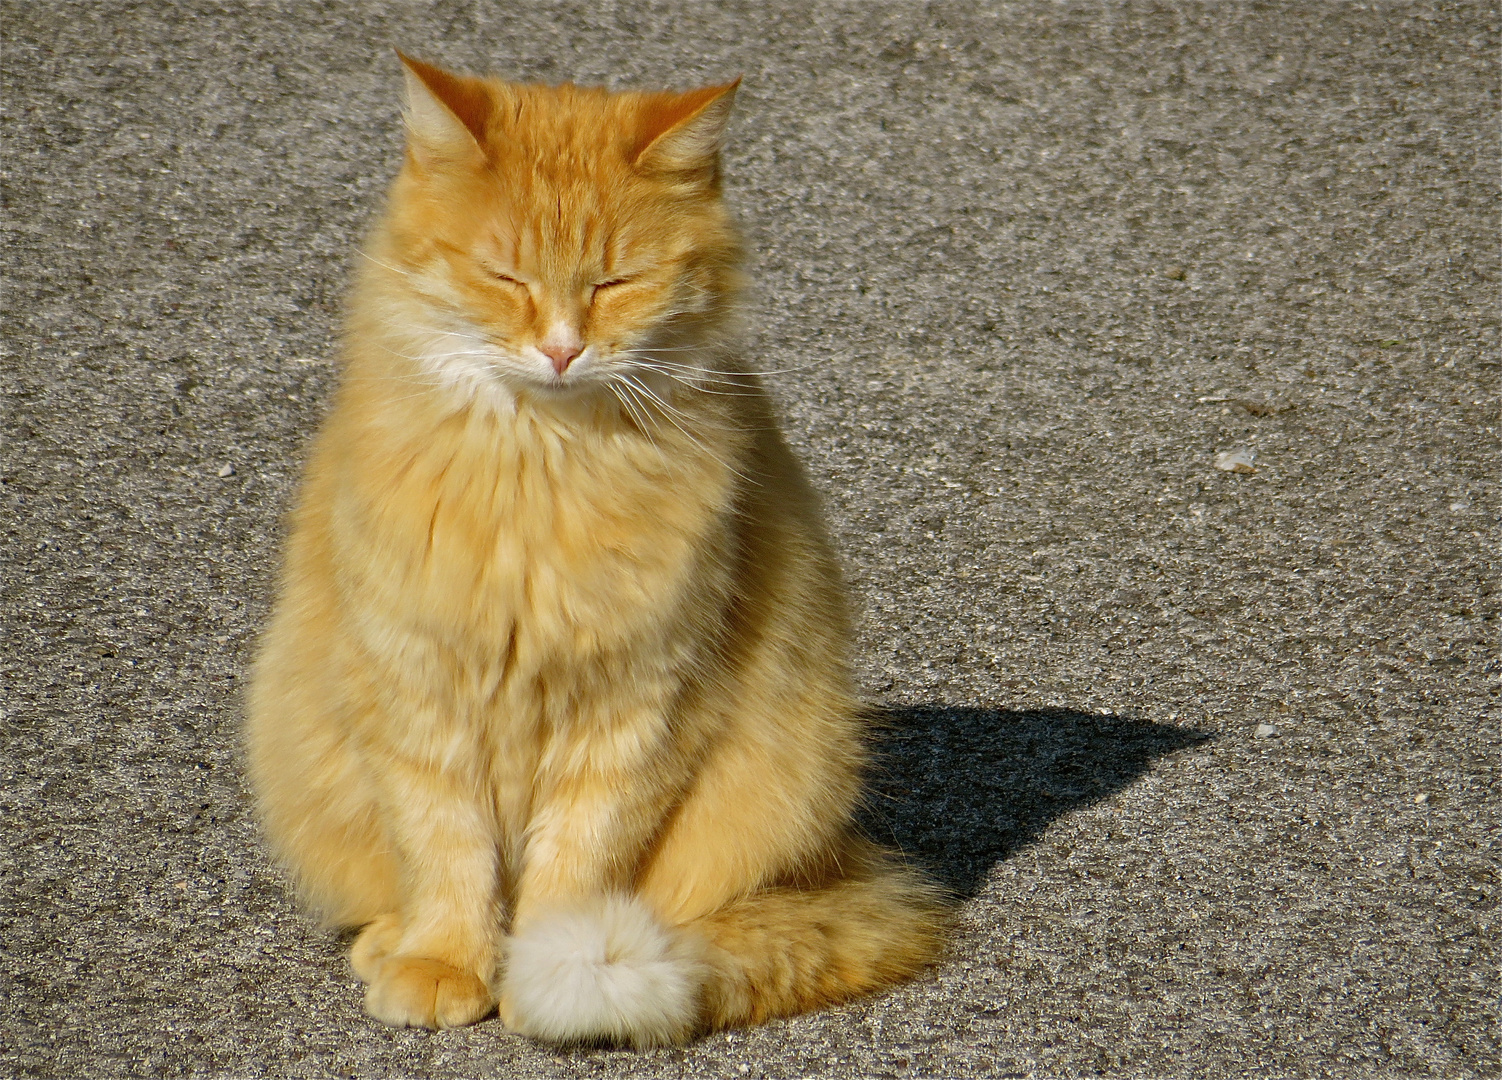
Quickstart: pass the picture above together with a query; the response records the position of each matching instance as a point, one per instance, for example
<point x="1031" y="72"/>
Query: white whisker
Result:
<point x="420" y="329"/>
<point x="388" y="266"/>
<point x="648" y="351"/>
<point x="430" y="357"/>
<point x="668" y="411"/>
<point x="639" y="418"/>
<point x="684" y="378"/>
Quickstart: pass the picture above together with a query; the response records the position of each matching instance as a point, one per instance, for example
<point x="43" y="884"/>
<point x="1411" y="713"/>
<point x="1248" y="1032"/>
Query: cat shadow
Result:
<point x="957" y="790"/>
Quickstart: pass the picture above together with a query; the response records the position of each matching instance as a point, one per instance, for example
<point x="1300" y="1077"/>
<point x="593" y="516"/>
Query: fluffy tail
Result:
<point x="788" y="950"/>
<point x="611" y="971"/>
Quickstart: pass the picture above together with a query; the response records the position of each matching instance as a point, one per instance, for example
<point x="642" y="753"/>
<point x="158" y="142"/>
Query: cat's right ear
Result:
<point x="447" y="115"/>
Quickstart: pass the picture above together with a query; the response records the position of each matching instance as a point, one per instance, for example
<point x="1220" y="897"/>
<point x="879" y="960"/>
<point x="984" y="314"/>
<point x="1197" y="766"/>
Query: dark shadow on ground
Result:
<point x="959" y="789"/>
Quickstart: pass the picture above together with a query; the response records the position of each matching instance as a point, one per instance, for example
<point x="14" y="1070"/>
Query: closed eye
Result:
<point x="612" y="283"/>
<point x="499" y="271"/>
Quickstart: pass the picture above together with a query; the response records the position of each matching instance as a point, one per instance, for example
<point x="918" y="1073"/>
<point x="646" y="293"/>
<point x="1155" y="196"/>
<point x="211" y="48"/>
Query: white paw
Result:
<point x="603" y="970"/>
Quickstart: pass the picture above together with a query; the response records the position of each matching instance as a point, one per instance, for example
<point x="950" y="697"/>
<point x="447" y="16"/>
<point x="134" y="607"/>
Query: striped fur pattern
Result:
<point x="553" y="704"/>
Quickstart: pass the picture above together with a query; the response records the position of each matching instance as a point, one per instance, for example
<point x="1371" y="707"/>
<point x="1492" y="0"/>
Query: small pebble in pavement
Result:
<point x="1237" y="461"/>
<point x="1266" y="731"/>
<point x="226" y="470"/>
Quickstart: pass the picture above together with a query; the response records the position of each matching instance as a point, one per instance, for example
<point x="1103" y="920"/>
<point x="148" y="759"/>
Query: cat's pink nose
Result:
<point x="562" y="355"/>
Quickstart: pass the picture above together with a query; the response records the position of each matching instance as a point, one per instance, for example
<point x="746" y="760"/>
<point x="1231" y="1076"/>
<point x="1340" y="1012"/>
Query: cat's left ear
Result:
<point x="683" y="132"/>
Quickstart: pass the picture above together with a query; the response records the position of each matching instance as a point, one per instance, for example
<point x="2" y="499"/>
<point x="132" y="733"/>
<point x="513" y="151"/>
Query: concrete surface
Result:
<point x="1029" y="268"/>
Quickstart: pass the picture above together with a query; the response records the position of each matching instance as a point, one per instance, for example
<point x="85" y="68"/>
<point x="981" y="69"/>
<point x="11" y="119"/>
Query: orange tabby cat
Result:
<point x="554" y="702"/>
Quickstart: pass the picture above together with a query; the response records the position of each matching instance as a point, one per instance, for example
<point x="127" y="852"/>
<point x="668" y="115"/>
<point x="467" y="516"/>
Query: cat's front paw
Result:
<point x="410" y="991"/>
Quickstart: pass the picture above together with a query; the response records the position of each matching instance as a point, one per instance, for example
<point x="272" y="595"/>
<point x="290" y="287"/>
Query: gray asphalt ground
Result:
<point x="1031" y="267"/>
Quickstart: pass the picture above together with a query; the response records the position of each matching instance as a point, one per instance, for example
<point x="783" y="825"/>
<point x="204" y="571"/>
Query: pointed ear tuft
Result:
<point x="447" y="114"/>
<point x="683" y="132"/>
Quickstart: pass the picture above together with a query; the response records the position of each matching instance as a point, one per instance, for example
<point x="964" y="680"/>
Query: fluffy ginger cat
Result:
<point x="554" y="702"/>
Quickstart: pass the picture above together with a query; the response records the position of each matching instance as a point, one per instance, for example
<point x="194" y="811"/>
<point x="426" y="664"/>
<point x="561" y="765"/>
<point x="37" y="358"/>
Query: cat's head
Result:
<point x="558" y="239"/>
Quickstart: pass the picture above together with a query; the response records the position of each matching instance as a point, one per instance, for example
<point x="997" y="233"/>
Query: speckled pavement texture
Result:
<point x="1210" y="756"/>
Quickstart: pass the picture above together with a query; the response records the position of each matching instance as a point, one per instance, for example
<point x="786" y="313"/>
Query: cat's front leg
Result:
<point x="587" y="959"/>
<point x="432" y="963"/>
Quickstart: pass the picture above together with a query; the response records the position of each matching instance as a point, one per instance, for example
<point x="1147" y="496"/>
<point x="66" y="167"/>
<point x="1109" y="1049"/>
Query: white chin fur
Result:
<point x="605" y="970"/>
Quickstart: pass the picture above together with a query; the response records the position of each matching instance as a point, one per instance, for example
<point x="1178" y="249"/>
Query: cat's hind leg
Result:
<point x="376" y="941"/>
<point x="759" y="864"/>
<point x="321" y="816"/>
